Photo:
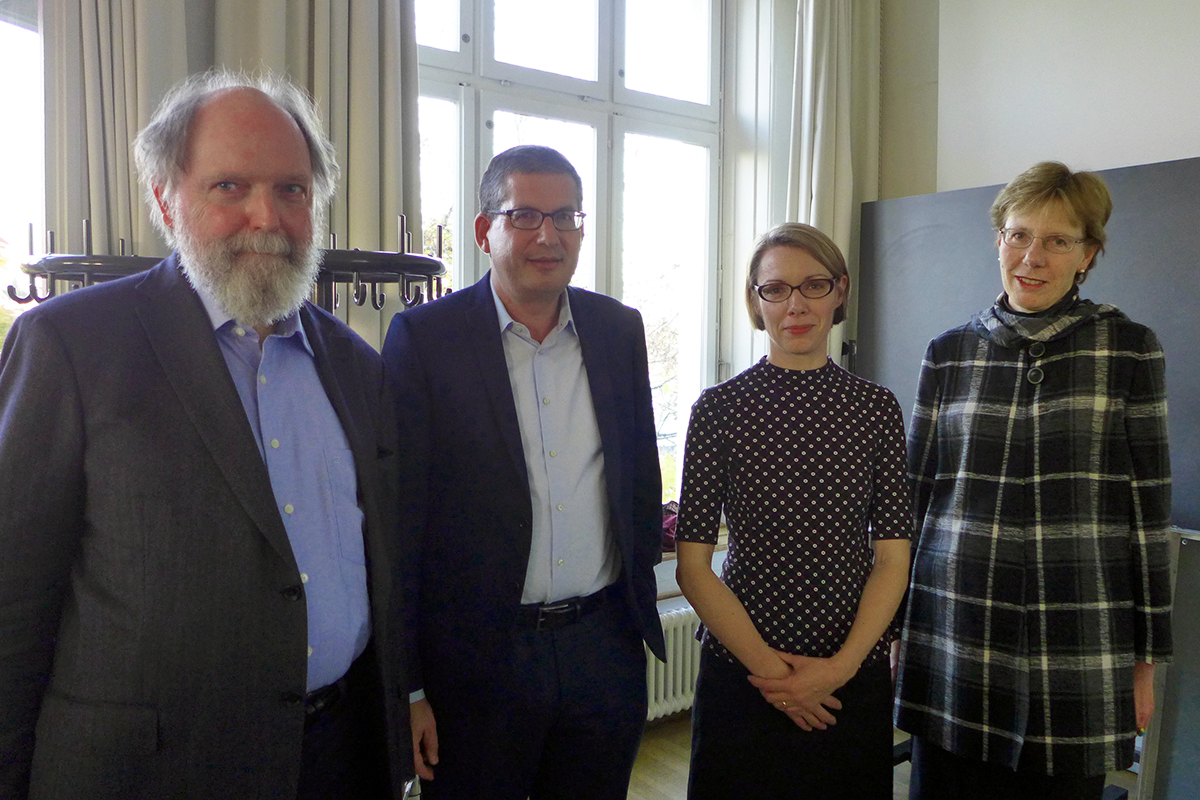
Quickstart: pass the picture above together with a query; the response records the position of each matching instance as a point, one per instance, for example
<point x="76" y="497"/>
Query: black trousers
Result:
<point x="345" y="746"/>
<point x="562" y="718"/>
<point x="941" y="775"/>
<point x="744" y="747"/>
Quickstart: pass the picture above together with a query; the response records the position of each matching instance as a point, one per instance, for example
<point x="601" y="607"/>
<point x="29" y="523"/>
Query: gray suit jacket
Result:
<point x="153" y="634"/>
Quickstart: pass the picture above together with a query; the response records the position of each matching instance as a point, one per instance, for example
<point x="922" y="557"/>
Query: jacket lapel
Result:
<point x="181" y="336"/>
<point x="593" y="341"/>
<point x="482" y="324"/>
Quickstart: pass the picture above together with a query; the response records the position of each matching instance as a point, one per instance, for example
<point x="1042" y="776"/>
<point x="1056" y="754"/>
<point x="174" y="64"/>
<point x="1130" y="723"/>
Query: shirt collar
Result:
<point x="564" y="311"/>
<point x="219" y="317"/>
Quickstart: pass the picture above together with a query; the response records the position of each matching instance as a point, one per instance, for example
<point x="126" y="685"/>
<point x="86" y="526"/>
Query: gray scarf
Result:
<point x="1007" y="329"/>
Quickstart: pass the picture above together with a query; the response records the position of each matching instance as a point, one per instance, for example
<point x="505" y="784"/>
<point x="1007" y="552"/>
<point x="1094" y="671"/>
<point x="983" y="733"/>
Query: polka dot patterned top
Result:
<point x="809" y="467"/>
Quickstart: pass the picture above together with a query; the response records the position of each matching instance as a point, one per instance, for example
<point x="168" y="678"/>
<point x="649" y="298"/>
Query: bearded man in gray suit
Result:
<point x="195" y="593"/>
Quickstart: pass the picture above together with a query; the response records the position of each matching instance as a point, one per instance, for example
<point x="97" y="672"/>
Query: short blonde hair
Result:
<point x="802" y="237"/>
<point x="1084" y="195"/>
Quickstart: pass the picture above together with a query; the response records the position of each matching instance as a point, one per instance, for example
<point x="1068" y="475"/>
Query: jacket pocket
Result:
<point x="97" y="728"/>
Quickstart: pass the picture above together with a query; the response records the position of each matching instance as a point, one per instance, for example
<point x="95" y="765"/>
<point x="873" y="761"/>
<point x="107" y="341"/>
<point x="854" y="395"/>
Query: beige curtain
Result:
<point x="109" y="62"/>
<point x="359" y="59"/>
<point x="834" y="123"/>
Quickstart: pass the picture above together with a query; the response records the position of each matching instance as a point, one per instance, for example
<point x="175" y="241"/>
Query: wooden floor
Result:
<point x="661" y="769"/>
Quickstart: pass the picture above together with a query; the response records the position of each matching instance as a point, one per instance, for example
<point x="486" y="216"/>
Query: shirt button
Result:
<point x="310" y="651"/>
<point x="288" y="508"/>
<point x="545" y="401"/>
<point x="304" y="577"/>
<point x="560" y="506"/>
<point x="553" y="453"/>
<point x="275" y="443"/>
<point x="240" y="331"/>
<point x="560" y="562"/>
<point x="1037" y="349"/>
<point x="1035" y="375"/>
<point x="262" y="378"/>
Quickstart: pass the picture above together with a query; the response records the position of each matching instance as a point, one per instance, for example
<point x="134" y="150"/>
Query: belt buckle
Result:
<point x="552" y="612"/>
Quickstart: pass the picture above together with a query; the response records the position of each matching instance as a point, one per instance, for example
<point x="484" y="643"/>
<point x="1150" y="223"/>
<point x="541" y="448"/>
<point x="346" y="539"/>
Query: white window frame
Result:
<point x="683" y="108"/>
<point x="710" y="315"/>
<point x="484" y="85"/>
<point x="525" y="76"/>
<point x="463" y="59"/>
<point x="444" y="89"/>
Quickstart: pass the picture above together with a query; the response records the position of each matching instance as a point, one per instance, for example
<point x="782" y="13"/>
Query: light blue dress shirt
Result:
<point x="573" y="553"/>
<point x="314" y="481"/>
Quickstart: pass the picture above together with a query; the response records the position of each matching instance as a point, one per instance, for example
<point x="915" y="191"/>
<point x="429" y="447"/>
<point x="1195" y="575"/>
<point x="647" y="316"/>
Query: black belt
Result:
<point x="321" y="700"/>
<point x="550" y="616"/>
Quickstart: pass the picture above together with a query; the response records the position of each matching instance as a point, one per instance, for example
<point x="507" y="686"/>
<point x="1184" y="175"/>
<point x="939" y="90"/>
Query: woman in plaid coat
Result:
<point x="1040" y="596"/>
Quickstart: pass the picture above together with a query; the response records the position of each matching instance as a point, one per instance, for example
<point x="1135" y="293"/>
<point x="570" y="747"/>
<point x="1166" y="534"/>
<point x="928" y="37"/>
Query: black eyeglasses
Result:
<point x="813" y="289"/>
<point x="1054" y="243"/>
<point x="530" y="219"/>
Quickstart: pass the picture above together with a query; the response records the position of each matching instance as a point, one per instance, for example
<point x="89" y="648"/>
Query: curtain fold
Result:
<point x="105" y="69"/>
<point x="359" y="60"/>
<point x="109" y="62"/>
<point x="822" y="187"/>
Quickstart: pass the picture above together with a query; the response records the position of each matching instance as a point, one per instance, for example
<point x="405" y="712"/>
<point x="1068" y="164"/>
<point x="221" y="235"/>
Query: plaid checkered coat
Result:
<point x="1038" y="460"/>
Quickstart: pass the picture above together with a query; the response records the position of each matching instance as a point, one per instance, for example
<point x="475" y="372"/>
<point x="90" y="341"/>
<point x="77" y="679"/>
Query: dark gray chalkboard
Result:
<point x="1177" y="765"/>
<point x="929" y="262"/>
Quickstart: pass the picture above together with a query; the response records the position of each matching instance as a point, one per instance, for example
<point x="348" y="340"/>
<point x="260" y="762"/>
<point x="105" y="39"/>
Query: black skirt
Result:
<point x="744" y="747"/>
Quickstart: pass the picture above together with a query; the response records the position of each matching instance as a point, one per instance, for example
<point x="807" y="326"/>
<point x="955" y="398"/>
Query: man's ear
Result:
<point x="483" y="224"/>
<point x="160" y="197"/>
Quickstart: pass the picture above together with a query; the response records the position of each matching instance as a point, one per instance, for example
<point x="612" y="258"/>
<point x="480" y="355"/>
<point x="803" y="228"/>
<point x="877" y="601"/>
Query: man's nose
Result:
<point x="261" y="211"/>
<point x="546" y="231"/>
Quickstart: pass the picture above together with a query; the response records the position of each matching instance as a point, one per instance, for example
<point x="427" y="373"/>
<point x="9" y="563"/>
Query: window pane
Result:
<point x="437" y="24"/>
<point x="664" y="277"/>
<point x="577" y="142"/>
<point x="22" y="154"/>
<point x="438" y="121"/>
<point x="667" y="48"/>
<point x="557" y="37"/>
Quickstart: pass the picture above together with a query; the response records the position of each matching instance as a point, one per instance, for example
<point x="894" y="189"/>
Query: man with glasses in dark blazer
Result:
<point x="525" y="405"/>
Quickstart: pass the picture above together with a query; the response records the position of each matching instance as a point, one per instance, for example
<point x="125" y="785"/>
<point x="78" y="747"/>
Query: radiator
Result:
<point x="672" y="685"/>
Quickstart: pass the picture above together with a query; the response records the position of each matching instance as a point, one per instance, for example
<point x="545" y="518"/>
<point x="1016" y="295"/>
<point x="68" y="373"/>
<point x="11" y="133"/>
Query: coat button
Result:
<point x="1037" y="349"/>
<point x="291" y="697"/>
<point x="293" y="592"/>
<point x="1035" y="375"/>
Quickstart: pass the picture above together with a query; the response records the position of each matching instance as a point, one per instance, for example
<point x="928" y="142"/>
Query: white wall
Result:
<point x="1096" y="84"/>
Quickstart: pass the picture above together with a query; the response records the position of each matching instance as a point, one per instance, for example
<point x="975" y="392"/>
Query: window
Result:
<point x="628" y="91"/>
<point x="22" y="154"/>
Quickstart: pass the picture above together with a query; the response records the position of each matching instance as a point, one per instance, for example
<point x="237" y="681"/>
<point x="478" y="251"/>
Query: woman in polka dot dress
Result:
<point x="808" y="464"/>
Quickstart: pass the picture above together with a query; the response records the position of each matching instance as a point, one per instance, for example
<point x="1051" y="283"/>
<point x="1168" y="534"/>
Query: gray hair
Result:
<point x="161" y="149"/>
<point x="525" y="159"/>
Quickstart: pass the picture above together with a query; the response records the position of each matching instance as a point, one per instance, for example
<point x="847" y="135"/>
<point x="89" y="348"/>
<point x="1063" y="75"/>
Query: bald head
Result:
<point x="164" y="148"/>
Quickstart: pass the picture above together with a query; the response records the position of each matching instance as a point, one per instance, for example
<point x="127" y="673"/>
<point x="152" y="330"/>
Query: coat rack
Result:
<point x="417" y="278"/>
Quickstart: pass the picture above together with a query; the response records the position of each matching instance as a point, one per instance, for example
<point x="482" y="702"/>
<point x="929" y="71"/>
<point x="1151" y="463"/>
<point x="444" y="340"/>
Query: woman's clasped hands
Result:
<point x="805" y="694"/>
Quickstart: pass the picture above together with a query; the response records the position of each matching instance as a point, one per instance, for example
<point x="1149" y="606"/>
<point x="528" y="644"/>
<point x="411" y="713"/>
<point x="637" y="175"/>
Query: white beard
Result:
<point x="258" y="278"/>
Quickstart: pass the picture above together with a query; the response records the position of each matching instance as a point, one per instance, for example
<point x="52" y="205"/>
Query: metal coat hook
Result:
<point x="412" y="294"/>
<point x="378" y="298"/>
<point x="360" y="291"/>
<point x="33" y="292"/>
